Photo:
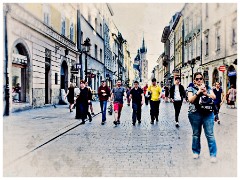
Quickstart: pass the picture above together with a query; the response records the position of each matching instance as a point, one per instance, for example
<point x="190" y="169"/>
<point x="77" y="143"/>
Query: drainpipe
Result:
<point x="6" y="9"/>
<point x="79" y="41"/>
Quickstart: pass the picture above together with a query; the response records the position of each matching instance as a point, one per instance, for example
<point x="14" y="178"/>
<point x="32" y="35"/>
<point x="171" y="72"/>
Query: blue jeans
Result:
<point x="103" y="105"/>
<point x="198" y="120"/>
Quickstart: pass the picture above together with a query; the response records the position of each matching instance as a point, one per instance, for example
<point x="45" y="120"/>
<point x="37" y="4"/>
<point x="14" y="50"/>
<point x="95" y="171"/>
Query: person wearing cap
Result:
<point x="103" y="94"/>
<point x="137" y="97"/>
<point x="155" y="92"/>
<point x="177" y="94"/>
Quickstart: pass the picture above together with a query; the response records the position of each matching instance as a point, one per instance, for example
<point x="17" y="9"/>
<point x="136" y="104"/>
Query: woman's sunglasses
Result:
<point x="198" y="79"/>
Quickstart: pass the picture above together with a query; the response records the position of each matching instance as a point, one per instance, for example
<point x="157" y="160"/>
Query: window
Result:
<point x="89" y="17"/>
<point x="96" y="23"/>
<point x="206" y="10"/>
<point x="218" y="38"/>
<point x="95" y="51"/>
<point x="100" y="29"/>
<point x="63" y="26"/>
<point x="234" y="36"/>
<point x="46" y="14"/>
<point x="194" y="21"/>
<point x="186" y="53"/>
<point x="207" y="45"/>
<point x="56" y="78"/>
<point x="81" y="37"/>
<point x="100" y="54"/>
<point x="198" y="46"/>
<point x="71" y="32"/>
<point x="234" y="32"/>
<point x="189" y="25"/>
<point x="193" y="47"/>
<point x="186" y="26"/>
<point x="46" y="18"/>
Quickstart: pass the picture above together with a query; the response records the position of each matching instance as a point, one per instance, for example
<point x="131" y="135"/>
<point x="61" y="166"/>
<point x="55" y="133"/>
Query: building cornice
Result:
<point x="23" y="16"/>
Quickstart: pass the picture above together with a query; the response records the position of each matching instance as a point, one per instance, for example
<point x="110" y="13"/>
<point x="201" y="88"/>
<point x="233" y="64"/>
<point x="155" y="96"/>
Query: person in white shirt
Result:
<point x="177" y="94"/>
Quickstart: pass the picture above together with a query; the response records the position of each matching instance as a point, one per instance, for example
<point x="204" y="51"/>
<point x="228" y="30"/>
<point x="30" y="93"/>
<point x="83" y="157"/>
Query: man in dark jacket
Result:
<point x="177" y="93"/>
<point x="103" y="94"/>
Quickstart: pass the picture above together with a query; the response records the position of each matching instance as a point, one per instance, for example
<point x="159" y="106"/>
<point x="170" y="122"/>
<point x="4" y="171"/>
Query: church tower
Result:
<point x="143" y="63"/>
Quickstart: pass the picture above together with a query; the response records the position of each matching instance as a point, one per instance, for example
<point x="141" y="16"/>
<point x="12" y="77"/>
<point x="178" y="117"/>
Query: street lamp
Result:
<point x="7" y="95"/>
<point x="86" y="48"/>
<point x="120" y="75"/>
<point x="192" y="64"/>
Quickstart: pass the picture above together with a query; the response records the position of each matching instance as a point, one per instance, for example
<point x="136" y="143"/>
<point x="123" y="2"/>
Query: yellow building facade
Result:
<point x="42" y="52"/>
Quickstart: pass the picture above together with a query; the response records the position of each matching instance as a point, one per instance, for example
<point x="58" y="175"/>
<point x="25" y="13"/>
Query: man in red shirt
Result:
<point x="144" y="91"/>
<point x="103" y="94"/>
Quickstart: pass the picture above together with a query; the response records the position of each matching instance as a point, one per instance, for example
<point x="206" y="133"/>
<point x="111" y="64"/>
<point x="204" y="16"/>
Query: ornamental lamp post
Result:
<point x="192" y="64"/>
<point x="86" y="48"/>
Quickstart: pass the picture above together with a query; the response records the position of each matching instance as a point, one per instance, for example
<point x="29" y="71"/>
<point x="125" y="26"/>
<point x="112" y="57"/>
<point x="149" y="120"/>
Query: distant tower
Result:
<point x="143" y="62"/>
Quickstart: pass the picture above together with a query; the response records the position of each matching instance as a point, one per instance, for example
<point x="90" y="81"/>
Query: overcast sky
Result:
<point x="134" y="20"/>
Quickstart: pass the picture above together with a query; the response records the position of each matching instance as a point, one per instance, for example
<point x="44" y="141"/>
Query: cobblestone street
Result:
<point x="95" y="150"/>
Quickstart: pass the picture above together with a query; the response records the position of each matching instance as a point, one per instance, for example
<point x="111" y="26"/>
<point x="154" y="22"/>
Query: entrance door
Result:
<point x="47" y="76"/>
<point x="47" y="84"/>
<point x="64" y="76"/>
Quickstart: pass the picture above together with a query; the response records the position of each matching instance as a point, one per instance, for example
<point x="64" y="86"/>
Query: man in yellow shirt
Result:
<point x="155" y="92"/>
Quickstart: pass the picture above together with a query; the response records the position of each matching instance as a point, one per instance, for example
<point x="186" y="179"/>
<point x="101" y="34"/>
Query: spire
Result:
<point x="143" y="43"/>
<point x="143" y="49"/>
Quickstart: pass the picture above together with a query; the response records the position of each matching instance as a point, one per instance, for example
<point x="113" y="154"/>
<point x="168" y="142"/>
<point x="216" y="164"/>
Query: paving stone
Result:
<point x="93" y="150"/>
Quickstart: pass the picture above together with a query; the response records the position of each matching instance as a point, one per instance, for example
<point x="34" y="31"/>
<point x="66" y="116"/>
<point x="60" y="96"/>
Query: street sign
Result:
<point x="78" y="66"/>
<point x="222" y="68"/>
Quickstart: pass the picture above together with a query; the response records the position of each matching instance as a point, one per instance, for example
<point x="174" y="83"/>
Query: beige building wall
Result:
<point x="218" y="32"/>
<point x="28" y="33"/>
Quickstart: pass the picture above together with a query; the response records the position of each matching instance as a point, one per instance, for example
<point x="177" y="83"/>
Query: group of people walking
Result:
<point x="204" y="105"/>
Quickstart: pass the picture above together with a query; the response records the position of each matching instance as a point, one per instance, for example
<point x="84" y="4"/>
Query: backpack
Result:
<point x="204" y="104"/>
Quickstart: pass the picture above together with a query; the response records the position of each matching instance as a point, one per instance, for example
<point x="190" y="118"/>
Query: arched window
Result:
<point x="215" y="77"/>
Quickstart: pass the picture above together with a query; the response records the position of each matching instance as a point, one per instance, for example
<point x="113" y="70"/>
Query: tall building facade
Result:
<point x="219" y="39"/>
<point x="205" y="40"/>
<point x="41" y="43"/>
<point x="44" y="51"/>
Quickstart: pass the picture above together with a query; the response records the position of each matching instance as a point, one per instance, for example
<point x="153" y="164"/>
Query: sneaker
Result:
<point x="139" y="121"/>
<point x="133" y="123"/>
<point x="218" y="121"/>
<point x="195" y="156"/>
<point x="213" y="159"/>
<point x="152" y="121"/>
<point x="115" y="122"/>
<point x="103" y="122"/>
<point x="177" y="125"/>
<point x="118" y="121"/>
